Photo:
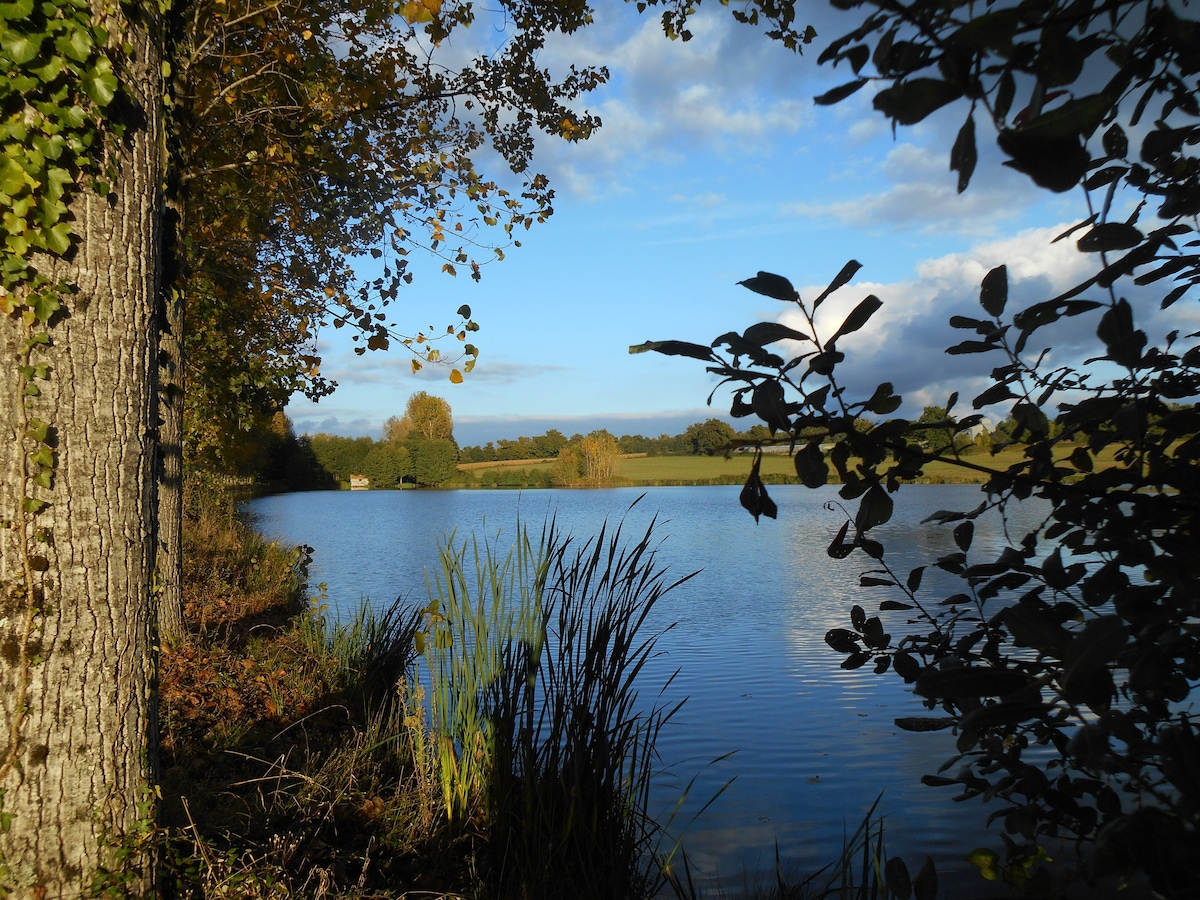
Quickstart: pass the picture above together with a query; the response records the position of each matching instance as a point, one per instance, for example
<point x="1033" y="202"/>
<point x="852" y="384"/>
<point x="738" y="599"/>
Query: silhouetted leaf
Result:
<point x="995" y="394"/>
<point x="1116" y="329"/>
<point x="906" y="666"/>
<point x="839" y="93"/>
<point x="675" y="348"/>
<point x="899" y="883"/>
<point x="908" y="102"/>
<point x="963" y="154"/>
<point x="775" y="286"/>
<point x="993" y="291"/>
<point x="969" y="681"/>
<point x="768" y="332"/>
<point x="770" y="405"/>
<point x="811" y="466"/>
<point x="1033" y="626"/>
<point x="1110" y="236"/>
<point x="859" y="316"/>
<point x="963" y="533"/>
<point x="914" y="578"/>
<point x="883" y="401"/>
<point x="924" y="723"/>
<point x="842" y="640"/>
<point x="1115" y="143"/>
<point x="894" y="605"/>
<point x="875" y="508"/>
<point x="1099" y="643"/>
<point x="840" y="280"/>
<point x="838" y="548"/>
<point x="925" y="884"/>
<point x="1055" y="163"/>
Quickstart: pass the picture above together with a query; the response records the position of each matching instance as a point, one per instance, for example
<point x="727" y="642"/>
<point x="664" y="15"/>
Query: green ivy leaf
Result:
<point x="58" y="238"/>
<point x="100" y="84"/>
<point x="21" y="48"/>
<point x="20" y="9"/>
<point x="44" y="305"/>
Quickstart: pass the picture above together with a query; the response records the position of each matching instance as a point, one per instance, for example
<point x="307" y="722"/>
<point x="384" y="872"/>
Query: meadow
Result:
<point x="777" y="468"/>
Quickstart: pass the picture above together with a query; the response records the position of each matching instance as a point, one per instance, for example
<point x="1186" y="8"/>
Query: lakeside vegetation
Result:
<point x="303" y="758"/>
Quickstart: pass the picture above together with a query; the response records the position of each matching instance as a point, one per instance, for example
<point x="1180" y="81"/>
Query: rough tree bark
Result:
<point x="76" y="616"/>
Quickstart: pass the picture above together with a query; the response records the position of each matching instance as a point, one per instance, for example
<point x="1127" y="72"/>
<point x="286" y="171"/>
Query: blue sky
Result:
<point x="713" y="163"/>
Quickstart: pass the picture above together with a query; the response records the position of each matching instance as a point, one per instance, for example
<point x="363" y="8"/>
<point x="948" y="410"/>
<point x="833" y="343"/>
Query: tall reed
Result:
<point x="478" y="607"/>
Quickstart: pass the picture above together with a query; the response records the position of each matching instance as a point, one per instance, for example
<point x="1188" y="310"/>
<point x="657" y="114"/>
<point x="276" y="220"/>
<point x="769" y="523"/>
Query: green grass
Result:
<point x="642" y="471"/>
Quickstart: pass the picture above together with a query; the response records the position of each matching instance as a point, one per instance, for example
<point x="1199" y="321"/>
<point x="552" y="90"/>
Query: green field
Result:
<point x="671" y="470"/>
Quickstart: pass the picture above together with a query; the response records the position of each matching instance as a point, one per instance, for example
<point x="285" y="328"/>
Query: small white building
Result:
<point x="360" y="483"/>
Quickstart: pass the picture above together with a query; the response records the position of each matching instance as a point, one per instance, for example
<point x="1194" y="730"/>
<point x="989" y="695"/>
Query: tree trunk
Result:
<point x="77" y="721"/>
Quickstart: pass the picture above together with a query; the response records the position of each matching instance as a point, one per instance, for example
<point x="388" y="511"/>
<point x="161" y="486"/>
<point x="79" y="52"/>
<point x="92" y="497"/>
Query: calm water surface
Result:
<point x="813" y="745"/>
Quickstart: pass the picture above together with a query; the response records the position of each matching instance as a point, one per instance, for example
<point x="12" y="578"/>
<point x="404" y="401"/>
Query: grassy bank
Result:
<point x="306" y="759"/>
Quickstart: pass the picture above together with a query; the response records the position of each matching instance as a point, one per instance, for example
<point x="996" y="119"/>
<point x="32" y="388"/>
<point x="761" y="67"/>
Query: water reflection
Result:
<point x="814" y="745"/>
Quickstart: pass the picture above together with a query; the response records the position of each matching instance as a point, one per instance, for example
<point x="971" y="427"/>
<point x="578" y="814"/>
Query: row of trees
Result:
<point x="709" y="437"/>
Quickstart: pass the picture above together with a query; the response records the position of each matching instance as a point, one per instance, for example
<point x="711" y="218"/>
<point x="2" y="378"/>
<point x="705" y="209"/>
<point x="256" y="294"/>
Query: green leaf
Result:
<point x="76" y="44"/>
<point x="100" y="84"/>
<point x="58" y="238"/>
<point x="774" y="286"/>
<point x="19" y="9"/>
<point x="908" y="102"/>
<point x="21" y="48"/>
<point x="44" y="305"/>
<point x="675" y="348"/>
<point x="993" y="292"/>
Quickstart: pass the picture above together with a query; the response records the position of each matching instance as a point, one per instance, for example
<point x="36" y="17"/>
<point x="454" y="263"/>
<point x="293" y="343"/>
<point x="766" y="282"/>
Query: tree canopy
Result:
<point x="315" y="142"/>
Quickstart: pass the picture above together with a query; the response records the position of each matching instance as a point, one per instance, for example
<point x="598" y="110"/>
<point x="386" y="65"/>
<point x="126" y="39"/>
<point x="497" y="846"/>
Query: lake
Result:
<point x="813" y="745"/>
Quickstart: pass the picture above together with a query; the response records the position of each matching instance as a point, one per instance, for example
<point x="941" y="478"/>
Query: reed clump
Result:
<point x="490" y="744"/>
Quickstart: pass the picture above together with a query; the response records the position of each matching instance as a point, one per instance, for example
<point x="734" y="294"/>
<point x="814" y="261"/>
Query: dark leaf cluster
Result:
<point x="1066" y="661"/>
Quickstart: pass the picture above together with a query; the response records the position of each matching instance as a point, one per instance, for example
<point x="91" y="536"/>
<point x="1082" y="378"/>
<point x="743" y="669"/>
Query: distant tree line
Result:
<point x="418" y="450"/>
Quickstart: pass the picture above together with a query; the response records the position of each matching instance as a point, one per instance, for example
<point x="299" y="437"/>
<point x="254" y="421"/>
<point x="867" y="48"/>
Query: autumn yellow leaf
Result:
<point x="456" y="376"/>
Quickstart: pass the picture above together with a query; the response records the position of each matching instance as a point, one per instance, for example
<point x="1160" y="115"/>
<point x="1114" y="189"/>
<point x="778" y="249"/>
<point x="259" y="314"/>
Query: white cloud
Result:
<point x="921" y="195"/>
<point x="719" y="90"/>
<point x="905" y="341"/>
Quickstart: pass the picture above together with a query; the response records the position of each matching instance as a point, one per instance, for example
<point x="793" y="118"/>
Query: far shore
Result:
<point x="643" y="470"/>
